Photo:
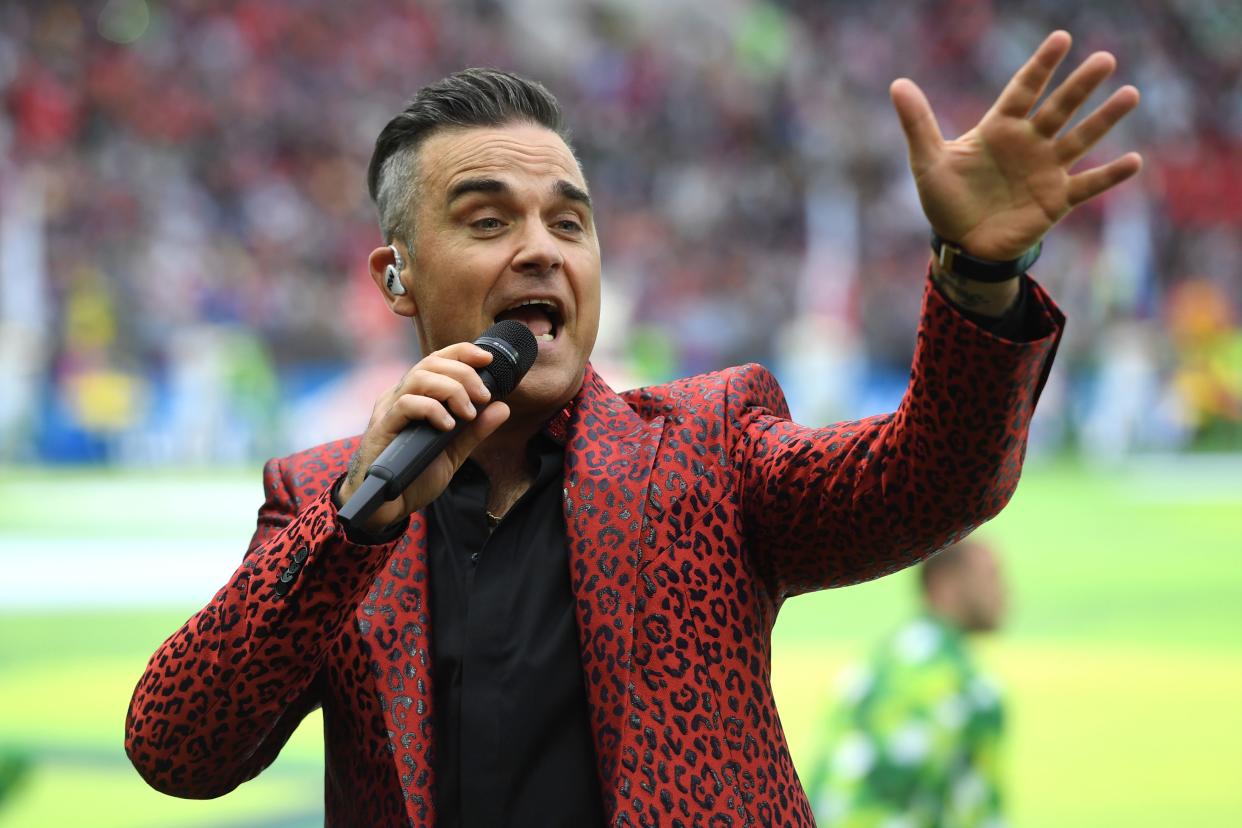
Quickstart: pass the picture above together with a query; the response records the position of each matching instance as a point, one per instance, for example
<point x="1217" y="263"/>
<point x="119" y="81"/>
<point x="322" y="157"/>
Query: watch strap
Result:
<point x="953" y="259"/>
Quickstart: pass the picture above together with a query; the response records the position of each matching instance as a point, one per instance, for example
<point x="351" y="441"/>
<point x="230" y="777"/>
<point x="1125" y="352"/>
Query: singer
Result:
<point x="564" y="620"/>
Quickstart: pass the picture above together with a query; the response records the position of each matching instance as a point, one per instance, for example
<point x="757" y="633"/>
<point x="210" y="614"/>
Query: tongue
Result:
<point x="532" y="316"/>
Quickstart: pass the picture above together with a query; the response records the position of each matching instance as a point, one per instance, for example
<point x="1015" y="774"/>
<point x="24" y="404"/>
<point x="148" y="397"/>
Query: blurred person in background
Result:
<point x="916" y="740"/>
<point x="14" y="767"/>
<point x="1208" y="345"/>
<point x="566" y="619"/>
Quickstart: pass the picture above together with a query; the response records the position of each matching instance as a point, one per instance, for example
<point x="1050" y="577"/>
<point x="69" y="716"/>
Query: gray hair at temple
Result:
<point x="469" y="98"/>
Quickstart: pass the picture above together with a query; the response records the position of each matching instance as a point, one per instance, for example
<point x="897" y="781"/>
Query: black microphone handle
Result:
<point x="408" y="456"/>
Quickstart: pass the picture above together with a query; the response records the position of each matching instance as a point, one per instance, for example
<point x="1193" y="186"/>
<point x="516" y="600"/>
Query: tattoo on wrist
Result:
<point x="957" y="290"/>
<point x="355" y="465"/>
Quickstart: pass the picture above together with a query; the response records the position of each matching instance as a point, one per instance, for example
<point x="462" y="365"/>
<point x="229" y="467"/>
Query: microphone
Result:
<point x="513" y="349"/>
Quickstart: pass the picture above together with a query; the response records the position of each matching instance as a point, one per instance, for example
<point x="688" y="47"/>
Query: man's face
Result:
<point x="503" y="229"/>
<point x="983" y="589"/>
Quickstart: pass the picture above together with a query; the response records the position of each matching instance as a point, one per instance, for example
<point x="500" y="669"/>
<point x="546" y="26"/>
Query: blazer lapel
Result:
<point x="609" y="454"/>
<point x="395" y="626"/>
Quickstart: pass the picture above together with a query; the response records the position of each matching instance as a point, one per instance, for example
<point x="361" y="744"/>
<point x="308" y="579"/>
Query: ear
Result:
<point x="378" y="262"/>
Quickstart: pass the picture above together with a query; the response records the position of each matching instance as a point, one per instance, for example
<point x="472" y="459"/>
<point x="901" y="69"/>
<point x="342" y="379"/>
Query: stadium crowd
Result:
<point x="184" y="220"/>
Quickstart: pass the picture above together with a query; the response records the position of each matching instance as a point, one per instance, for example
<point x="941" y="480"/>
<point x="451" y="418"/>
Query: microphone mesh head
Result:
<point x="509" y="364"/>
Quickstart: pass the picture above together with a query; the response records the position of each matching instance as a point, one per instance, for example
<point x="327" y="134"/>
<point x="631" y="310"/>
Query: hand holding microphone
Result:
<point x="424" y="429"/>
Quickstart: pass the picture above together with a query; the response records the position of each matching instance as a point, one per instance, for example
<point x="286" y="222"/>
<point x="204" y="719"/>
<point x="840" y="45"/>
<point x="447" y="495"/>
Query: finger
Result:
<point x="490" y="419"/>
<point x="412" y="408"/>
<point x="1076" y="143"/>
<point x="460" y="372"/>
<point x="446" y="389"/>
<point x="1065" y="100"/>
<point x="1024" y="88"/>
<point x="466" y="352"/>
<point x="918" y="122"/>
<point x="1089" y="184"/>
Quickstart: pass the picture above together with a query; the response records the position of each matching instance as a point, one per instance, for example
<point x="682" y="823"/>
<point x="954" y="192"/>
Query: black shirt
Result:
<point x="513" y="735"/>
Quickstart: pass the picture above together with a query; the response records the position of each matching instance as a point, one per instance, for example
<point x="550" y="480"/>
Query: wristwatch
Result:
<point x="952" y="259"/>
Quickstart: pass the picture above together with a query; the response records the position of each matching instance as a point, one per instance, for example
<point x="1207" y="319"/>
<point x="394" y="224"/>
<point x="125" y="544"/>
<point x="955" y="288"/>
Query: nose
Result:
<point x="538" y="251"/>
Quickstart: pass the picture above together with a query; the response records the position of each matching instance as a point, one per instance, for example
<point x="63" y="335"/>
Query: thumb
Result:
<point x="923" y="136"/>
<point x="491" y="417"/>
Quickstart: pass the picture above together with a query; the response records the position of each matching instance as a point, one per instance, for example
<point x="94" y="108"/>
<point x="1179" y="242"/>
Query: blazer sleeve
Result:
<point x="221" y="696"/>
<point x="832" y="506"/>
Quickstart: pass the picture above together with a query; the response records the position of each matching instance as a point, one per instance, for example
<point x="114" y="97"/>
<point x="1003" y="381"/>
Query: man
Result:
<point x="14" y="767"/>
<point x="916" y="741"/>
<point x="573" y="627"/>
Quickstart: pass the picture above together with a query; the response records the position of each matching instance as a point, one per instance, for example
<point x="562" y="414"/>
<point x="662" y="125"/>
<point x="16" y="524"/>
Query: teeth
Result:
<point x="548" y="302"/>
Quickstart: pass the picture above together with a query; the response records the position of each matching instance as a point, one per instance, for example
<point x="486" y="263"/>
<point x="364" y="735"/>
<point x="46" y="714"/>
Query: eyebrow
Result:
<point x="566" y="190"/>
<point x="476" y="185"/>
<point x="562" y="188"/>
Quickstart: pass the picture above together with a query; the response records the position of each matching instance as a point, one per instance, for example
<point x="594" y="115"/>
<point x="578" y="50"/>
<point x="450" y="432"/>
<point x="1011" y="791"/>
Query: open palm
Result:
<point x="1001" y="186"/>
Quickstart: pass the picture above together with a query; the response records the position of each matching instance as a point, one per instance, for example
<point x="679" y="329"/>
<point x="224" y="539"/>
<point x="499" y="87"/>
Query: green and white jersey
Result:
<point x="915" y="741"/>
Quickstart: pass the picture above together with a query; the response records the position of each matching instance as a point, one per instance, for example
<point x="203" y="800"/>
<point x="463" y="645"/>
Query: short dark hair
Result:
<point x="469" y="98"/>
<point x="948" y="559"/>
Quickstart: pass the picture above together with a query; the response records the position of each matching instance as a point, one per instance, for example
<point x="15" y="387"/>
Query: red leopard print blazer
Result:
<point x="693" y="510"/>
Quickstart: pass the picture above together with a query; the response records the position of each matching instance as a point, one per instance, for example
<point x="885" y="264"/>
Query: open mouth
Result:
<point x="540" y="315"/>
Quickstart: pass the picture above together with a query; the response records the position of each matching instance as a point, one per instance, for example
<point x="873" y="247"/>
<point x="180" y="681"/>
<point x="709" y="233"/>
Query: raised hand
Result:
<point x="997" y="189"/>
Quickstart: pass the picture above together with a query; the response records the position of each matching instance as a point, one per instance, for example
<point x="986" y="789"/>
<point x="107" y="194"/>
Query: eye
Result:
<point x="568" y="226"/>
<point x="487" y="224"/>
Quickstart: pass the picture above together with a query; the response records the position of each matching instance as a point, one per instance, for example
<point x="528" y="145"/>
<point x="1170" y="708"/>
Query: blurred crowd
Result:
<point x="184" y="221"/>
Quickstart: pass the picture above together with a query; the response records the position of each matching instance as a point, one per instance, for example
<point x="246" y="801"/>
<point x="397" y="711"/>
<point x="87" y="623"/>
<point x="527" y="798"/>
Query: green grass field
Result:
<point x="1122" y="659"/>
